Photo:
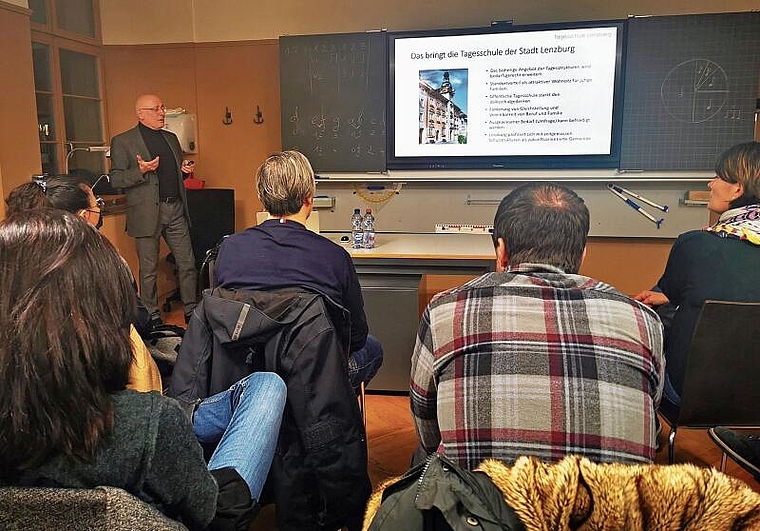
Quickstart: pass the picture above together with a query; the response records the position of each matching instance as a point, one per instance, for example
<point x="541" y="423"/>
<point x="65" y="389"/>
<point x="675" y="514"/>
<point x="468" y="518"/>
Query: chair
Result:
<point x="206" y="270"/>
<point x="23" y="508"/>
<point x="206" y="281"/>
<point x="722" y="371"/>
<point x="291" y="332"/>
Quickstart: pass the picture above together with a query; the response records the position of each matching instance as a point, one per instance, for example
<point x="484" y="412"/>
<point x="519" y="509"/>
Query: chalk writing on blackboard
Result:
<point x="695" y="91"/>
<point x="333" y="99"/>
<point x="294" y="120"/>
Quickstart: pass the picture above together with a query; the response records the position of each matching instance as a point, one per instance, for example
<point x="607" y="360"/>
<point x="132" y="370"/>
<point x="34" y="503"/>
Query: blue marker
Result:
<point x="617" y="191"/>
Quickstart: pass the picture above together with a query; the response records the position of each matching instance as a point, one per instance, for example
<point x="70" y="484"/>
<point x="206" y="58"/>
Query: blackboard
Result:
<point x="333" y="99"/>
<point x="691" y="83"/>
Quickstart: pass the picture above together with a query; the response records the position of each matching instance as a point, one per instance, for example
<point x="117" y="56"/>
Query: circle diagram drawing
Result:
<point x="695" y="90"/>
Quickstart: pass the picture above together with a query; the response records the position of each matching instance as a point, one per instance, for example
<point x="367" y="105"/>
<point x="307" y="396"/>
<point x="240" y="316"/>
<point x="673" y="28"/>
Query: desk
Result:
<point x="390" y="277"/>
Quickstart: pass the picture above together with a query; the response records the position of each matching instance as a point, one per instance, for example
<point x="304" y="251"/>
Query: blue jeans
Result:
<point x="243" y="423"/>
<point x="669" y="392"/>
<point x="364" y="363"/>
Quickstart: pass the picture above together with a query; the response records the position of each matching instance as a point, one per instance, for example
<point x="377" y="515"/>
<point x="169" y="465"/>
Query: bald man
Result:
<point x="146" y="163"/>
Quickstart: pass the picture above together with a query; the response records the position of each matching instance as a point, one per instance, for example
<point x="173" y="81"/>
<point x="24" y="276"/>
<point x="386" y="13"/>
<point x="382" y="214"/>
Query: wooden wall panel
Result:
<point x="19" y="148"/>
<point x="168" y="71"/>
<point x="238" y="76"/>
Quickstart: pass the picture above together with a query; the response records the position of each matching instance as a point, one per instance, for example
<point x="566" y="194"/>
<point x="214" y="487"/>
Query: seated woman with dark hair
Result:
<point x="68" y="419"/>
<point x="719" y="262"/>
<point x="65" y="193"/>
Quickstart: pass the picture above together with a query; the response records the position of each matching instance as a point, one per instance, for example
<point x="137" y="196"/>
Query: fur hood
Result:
<point x="578" y="494"/>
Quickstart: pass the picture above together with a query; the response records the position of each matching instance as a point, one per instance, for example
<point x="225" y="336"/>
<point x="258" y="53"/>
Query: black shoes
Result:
<point x="744" y="449"/>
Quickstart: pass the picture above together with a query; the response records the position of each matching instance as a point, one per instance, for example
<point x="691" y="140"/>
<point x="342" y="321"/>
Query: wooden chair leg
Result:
<point x="363" y="404"/>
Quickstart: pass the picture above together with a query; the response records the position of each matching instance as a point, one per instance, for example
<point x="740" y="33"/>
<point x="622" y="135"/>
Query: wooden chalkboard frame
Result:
<point x="333" y="90"/>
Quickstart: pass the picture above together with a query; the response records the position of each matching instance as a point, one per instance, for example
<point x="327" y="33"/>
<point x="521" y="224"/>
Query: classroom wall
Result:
<point x="205" y="79"/>
<point x="124" y="21"/>
<point x="205" y="75"/>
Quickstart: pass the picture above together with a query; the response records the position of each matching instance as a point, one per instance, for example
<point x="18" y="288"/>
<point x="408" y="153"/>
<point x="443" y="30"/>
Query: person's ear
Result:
<point x="583" y="256"/>
<point x="308" y="204"/>
<point x="739" y="191"/>
<point x="502" y="257"/>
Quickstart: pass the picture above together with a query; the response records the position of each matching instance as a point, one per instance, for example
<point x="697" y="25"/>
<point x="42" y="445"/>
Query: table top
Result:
<point x="424" y="246"/>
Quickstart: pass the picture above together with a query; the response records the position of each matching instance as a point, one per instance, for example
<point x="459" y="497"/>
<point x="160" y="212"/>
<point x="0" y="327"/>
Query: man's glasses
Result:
<point x="157" y="108"/>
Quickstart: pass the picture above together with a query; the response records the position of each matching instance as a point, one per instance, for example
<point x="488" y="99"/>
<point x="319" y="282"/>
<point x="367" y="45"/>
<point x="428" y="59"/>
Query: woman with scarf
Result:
<point x="719" y="262"/>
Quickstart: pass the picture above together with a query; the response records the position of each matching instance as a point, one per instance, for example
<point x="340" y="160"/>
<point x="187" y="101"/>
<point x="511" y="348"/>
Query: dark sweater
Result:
<point x="167" y="171"/>
<point x="151" y="453"/>
<point x="282" y="255"/>
<point x="703" y="266"/>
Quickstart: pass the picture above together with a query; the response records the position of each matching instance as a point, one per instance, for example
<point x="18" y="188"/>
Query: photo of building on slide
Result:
<point x="443" y="106"/>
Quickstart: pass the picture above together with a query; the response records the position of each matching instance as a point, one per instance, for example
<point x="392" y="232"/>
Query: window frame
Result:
<point x="56" y="40"/>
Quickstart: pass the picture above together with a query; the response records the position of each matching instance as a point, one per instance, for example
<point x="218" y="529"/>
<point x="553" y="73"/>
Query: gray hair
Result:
<point x="284" y="181"/>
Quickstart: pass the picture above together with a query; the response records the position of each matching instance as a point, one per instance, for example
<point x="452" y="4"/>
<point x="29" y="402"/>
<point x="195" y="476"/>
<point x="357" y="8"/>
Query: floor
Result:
<point x="392" y="441"/>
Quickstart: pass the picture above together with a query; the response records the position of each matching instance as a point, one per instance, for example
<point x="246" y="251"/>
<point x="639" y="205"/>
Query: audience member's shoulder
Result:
<point x="695" y="236"/>
<point x="327" y="243"/>
<point x="598" y="289"/>
<point x="135" y="403"/>
<point x="486" y="280"/>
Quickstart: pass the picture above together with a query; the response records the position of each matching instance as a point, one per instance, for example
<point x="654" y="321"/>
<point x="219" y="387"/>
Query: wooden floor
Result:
<point x="392" y="440"/>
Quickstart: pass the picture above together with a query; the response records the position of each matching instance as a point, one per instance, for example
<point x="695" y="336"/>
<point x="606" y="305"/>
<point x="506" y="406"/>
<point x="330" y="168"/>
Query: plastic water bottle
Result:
<point x="357" y="232"/>
<point x="369" y="230"/>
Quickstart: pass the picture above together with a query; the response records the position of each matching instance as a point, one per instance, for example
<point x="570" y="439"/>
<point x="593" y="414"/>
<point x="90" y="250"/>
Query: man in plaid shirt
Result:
<point x="535" y="359"/>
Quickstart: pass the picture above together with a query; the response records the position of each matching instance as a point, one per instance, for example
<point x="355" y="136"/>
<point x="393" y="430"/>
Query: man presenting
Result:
<point x="146" y="162"/>
<point x="535" y="359"/>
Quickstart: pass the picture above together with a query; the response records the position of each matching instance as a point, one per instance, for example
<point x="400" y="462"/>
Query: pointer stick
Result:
<point x="649" y="202"/>
<point x="636" y="207"/>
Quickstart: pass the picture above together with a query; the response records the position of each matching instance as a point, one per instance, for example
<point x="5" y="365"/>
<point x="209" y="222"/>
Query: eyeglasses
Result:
<point x="157" y="108"/>
<point x="99" y="222"/>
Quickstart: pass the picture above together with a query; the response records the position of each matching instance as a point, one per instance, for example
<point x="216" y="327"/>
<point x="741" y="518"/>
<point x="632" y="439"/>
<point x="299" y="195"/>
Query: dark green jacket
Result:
<point x="438" y="495"/>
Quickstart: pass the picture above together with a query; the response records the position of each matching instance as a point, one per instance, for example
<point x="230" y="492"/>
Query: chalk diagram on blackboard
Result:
<point x="695" y="90"/>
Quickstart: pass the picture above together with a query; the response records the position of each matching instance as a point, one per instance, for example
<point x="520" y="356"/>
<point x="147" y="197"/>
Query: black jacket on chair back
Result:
<point x="319" y="474"/>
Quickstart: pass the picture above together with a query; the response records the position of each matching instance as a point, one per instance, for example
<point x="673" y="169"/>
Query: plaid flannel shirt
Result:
<point x="534" y="361"/>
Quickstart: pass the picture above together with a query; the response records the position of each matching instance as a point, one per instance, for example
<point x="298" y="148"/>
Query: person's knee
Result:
<point x="268" y="384"/>
<point x="374" y="347"/>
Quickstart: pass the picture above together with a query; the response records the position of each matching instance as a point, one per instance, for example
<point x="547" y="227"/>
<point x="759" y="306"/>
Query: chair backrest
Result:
<point x="23" y="508"/>
<point x="206" y="270"/>
<point x="723" y="368"/>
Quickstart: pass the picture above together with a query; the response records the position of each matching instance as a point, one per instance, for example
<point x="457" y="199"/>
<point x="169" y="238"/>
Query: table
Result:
<point x="390" y="277"/>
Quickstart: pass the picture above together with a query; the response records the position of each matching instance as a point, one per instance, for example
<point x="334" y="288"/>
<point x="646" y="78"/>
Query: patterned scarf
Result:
<point x="742" y="223"/>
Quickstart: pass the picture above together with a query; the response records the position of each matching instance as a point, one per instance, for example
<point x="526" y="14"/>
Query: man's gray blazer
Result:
<point x="141" y="189"/>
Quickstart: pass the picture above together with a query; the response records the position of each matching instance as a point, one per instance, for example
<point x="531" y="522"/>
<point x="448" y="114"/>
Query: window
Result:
<point x="74" y="19"/>
<point x="67" y="83"/>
